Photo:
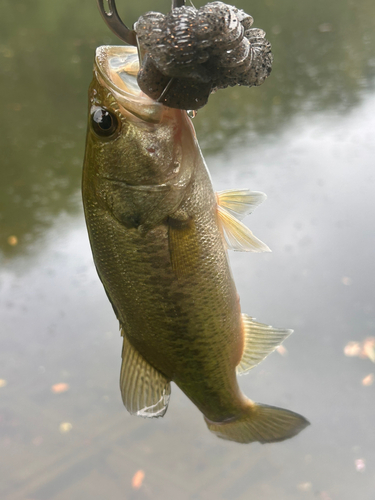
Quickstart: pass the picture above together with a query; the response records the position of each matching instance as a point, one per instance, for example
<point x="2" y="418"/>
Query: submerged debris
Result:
<point x="189" y="53"/>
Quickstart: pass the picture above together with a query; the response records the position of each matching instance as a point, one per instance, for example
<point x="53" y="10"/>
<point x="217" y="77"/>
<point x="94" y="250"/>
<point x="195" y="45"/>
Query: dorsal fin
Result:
<point x="240" y="202"/>
<point x="145" y="391"/>
<point x="260" y="340"/>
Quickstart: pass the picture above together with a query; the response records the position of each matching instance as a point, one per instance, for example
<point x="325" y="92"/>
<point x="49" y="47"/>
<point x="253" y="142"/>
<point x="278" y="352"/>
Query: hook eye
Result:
<point x="114" y="23"/>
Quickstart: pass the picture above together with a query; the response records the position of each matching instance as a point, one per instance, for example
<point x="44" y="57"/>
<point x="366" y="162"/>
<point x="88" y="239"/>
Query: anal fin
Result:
<point x="260" y="340"/>
<point x="145" y="391"/>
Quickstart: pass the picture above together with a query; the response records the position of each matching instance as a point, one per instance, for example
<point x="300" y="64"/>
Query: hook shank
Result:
<point x="177" y="3"/>
<point x="114" y="23"/>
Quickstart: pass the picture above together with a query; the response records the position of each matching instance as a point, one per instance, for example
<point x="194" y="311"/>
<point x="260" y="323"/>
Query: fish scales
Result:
<point x="165" y="317"/>
<point x="159" y="249"/>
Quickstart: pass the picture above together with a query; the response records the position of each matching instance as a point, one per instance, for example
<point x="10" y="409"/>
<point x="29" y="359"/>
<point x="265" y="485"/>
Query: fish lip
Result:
<point x="131" y="98"/>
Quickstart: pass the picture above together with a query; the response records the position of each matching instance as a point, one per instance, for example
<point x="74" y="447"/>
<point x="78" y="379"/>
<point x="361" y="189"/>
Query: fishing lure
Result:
<point x="190" y="53"/>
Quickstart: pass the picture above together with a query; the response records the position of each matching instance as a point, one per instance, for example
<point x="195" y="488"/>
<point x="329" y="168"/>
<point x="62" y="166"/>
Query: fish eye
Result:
<point x="105" y="123"/>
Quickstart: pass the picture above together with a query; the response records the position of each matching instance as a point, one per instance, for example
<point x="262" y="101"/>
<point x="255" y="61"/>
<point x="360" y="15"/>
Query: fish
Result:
<point x="160" y="237"/>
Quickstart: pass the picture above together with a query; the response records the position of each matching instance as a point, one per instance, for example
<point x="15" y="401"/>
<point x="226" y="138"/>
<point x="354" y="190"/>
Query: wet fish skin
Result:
<point x="160" y="312"/>
<point x="159" y="250"/>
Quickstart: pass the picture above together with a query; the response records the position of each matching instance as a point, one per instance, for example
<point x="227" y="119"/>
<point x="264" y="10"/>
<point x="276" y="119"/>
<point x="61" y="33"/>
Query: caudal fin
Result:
<point x="263" y="423"/>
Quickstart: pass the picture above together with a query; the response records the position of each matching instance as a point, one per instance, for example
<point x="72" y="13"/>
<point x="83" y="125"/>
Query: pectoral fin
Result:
<point x="240" y="202"/>
<point x="145" y="391"/>
<point x="237" y="236"/>
<point x="260" y="341"/>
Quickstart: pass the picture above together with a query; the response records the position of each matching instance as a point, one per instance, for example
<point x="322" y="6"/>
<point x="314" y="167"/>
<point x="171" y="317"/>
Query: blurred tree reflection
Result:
<point x="324" y="58"/>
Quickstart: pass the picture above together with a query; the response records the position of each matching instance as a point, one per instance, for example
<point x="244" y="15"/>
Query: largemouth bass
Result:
<point x="159" y="236"/>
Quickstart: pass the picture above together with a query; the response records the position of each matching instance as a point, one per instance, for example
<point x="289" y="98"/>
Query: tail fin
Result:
<point x="263" y="423"/>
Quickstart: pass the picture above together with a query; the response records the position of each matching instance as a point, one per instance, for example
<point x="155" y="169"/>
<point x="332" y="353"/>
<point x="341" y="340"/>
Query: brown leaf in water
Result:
<point x="352" y="349"/>
<point x="59" y="388"/>
<point x="282" y="350"/>
<point x="369" y="348"/>
<point x="65" y="427"/>
<point x="12" y="240"/>
<point x="138" y="479"/>
<point x="360" y="465"/>
<point x="368" y="380"/>
<point x="364" y="349"/>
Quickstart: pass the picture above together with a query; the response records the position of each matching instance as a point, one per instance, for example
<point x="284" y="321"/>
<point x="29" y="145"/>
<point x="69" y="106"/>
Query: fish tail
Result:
<point x="258" y="422"/>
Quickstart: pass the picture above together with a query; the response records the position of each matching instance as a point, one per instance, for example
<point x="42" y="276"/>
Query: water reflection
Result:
<point x="57" y="326"/>
<point x="324" y="58"/>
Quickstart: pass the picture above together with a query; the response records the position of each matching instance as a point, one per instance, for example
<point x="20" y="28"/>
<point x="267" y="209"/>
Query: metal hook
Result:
<point x="114" y="23"/>
<point x="177" y="3"/>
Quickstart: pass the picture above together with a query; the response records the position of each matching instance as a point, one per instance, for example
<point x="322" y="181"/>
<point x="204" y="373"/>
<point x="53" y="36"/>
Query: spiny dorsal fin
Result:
<point x="237" y="236"/>
<point x="240" y="202"/>
<point x="260" y="340"/>
<point x="145" y="391"/>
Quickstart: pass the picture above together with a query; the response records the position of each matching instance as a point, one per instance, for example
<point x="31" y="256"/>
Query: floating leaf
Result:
<point x="65" y="427"/>
<point x="282" y="350"/>
<point x="12" y="240"/>
<point x="368" y="380"/>
<point x="364" y="349"/>
<point x="59" y="388"/>
<point x="352" y="349"/>
<point x="138" y="479"/>
<point x="360" y="464"/>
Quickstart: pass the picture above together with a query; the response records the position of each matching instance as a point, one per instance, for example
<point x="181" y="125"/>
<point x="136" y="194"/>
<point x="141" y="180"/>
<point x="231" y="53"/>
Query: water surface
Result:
<point x="306" y="138"/>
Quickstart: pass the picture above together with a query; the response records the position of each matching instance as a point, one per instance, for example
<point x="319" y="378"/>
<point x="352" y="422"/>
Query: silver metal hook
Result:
<point x="114" y="23"/>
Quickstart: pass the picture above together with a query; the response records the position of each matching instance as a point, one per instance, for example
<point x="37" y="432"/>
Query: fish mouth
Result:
<point x="116" y="68"/>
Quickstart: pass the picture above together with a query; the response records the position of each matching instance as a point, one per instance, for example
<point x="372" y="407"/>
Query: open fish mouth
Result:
<point x="116" y="68"/>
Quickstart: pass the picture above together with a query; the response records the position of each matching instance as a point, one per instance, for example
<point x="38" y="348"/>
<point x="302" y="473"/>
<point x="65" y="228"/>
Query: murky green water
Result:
<point x="307" y="139"/>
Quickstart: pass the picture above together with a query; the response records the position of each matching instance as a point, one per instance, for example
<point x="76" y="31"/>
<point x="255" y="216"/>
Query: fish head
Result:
<point x="132" y="138"/>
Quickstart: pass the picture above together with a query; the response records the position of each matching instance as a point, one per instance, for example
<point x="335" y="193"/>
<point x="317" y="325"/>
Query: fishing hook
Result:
<point x="114" y="23"/>
<point x="177" y="3"/>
